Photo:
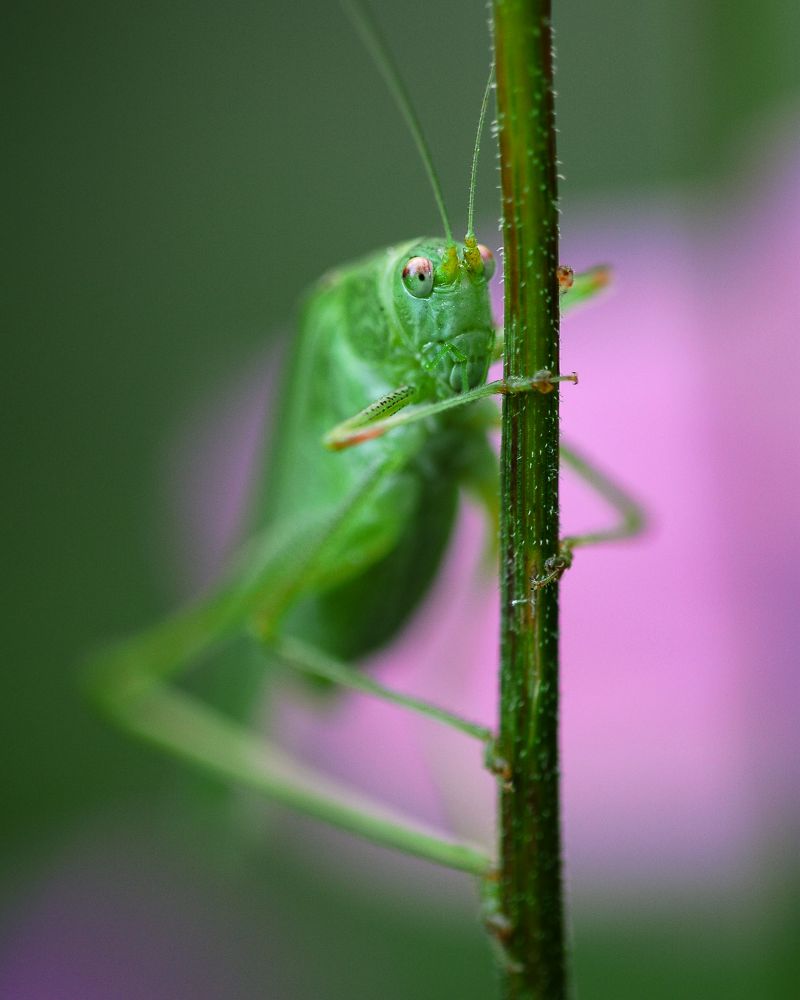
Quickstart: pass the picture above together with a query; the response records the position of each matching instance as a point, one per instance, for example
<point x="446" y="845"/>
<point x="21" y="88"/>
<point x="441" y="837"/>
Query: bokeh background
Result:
<point x="177" y="175"/>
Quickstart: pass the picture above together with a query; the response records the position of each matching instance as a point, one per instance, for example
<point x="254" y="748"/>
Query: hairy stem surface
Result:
<point x="530" y="882"/>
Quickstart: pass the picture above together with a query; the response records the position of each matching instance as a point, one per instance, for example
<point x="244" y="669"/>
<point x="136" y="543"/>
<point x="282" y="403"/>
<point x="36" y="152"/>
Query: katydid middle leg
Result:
<point x="315" y="662"/>
<point x="630" y="516"/>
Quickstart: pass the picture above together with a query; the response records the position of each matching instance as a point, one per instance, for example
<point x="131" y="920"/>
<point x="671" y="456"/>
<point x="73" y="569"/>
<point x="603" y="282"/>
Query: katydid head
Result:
<point x="450" y="324"/>
<point x="440" y="299"/>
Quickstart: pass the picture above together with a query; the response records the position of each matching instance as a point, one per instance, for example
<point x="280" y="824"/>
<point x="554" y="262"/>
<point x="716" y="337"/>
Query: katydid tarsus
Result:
<point x="384" y="420"/>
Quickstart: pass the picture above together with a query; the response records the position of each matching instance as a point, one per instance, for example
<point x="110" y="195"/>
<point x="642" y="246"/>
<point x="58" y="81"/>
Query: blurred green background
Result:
<point x="177" y="174"/>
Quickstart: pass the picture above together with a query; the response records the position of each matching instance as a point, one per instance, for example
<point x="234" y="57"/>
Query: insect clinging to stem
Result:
<point x="384" y="420"/>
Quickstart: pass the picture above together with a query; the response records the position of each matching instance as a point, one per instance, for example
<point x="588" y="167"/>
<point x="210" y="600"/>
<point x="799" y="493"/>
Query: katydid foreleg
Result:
<point x="357" y="430"/>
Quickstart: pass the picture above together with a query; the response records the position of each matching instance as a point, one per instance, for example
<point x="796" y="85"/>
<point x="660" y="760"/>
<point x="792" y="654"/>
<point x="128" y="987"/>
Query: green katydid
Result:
<point x="384" y="421"/>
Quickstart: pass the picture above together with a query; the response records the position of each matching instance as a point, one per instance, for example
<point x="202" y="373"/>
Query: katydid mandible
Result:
<point x="384" y="421"/>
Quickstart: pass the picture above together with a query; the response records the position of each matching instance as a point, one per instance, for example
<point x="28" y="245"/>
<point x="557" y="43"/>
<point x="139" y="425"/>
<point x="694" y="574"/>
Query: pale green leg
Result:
<point x="630" y="516"/>
<point x="585" y="286"/>
<point x="631" y="522"/>
<point x="360" y="428"/>
<point x="129" y="682"/>
<point x="182" y="725"/>
<point x="310" y="660"/>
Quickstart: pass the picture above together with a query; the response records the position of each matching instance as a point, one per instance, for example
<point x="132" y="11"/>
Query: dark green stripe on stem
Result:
<point x="530" y="881"/>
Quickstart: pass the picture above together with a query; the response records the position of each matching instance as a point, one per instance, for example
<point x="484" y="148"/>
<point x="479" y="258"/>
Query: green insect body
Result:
<point x="382" y="422"/>
<point x="363" y="335"/>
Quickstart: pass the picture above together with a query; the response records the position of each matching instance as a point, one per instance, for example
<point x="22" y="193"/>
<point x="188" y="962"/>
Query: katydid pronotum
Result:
<point x="384" y="420"/>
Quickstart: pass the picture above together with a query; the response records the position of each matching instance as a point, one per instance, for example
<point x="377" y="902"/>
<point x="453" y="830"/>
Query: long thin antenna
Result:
<point x="476" y="153"/>
<point x="381" y="56"/>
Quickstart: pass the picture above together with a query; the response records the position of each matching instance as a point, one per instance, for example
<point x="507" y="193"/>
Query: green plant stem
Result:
<point x="530" y="882"/>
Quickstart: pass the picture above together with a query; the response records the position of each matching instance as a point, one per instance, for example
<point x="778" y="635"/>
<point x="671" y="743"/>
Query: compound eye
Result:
<point x="418" y="277"/>
<point x="488" y="260"/>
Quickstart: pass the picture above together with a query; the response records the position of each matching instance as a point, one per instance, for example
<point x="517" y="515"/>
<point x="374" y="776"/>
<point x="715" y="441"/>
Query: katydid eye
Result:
<point x="418" y="277"/>
<point x="488" y="260"/>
